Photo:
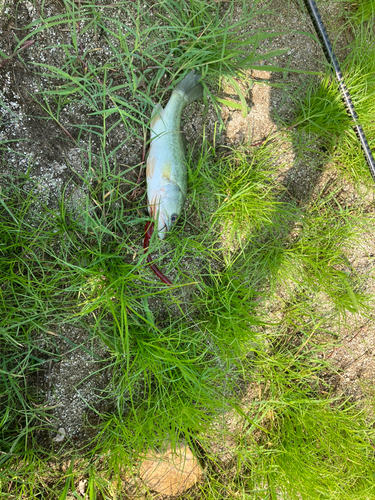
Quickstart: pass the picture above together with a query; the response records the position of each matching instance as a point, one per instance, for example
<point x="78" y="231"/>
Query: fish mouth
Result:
<point x="162" y="227"/>
<point x="159" y="215"/>
<point x="160" y="221"/>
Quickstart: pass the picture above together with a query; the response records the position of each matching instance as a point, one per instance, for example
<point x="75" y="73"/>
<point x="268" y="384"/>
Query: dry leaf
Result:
<point x="171" y="472"/>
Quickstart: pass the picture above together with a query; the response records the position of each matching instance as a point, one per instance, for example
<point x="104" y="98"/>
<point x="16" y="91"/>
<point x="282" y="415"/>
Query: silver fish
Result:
<point x="166" y="168"/>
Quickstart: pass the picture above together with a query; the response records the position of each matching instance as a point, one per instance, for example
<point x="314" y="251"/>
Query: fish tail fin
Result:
<point x="190" y="87"/>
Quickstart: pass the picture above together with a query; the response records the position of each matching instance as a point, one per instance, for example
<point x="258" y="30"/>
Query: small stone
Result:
<point x="60" y="436"/>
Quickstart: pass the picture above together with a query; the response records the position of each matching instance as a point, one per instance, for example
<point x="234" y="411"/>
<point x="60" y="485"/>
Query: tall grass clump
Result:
<point x="313" y="441"/>
<point x="247" y="196"/>
<point x="349" y="157"/>
<point x="26" y="293"/>
<point x="323" y="113"/>
<point x="363" y="11"/>
<point x="296" y="439"/>
<point x="315" y="260"/>
<point x="315" y="445"/>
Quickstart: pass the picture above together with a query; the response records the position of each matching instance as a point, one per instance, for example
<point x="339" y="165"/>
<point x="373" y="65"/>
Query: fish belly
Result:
<point x="166" y="159"/>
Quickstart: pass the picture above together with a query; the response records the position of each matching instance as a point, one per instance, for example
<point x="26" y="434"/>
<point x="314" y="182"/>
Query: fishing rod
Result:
<point x="332" y="59"/>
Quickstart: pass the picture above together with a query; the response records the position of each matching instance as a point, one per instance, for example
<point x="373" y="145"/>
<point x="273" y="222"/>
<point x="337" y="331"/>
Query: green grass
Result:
<point x="262" y="281"/>
<point x="315" y="260"/>
<point x="322" y="111"/>
<point x="26" y="295"/>
<point x="247" y="200"/>
<point x="145" y="59"/>
<point x="305" y="460"/>
<point x="363" y="11"/>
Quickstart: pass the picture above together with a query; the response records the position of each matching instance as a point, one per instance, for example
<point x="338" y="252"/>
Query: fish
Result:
<point x="166" y="172"/>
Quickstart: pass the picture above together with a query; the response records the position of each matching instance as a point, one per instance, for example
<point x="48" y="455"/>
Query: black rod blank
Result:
<point x="331" y="58"/>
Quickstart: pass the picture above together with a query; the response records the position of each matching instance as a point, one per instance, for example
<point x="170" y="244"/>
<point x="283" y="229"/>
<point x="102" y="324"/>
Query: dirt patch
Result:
<point x="354" y="359"/>
<point x="72" y="384"/>
<point x="355" y="362"/>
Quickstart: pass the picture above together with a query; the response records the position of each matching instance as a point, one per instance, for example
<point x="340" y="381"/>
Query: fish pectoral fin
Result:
<point x="153" y="205"/>
<point x="167" y="170"/>
<point x="150" y="168"/>
<point x="157" y="114"/>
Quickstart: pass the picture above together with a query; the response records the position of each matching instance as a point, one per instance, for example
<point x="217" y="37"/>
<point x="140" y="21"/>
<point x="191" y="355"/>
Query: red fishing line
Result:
<point x="149" y="229"/>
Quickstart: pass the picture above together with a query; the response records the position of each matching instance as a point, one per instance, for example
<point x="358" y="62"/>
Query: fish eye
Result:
<point x="173" y="218"/>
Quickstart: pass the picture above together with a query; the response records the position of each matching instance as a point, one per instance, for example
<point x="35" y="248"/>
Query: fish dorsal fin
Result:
<point x="157" y="114"/>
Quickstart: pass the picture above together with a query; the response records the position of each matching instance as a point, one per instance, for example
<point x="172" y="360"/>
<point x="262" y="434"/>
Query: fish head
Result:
<point x="166" y="206"/>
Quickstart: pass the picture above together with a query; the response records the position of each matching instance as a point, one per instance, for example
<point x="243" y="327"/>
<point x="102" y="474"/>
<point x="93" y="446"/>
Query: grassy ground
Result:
<point x="235" y="358"/>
